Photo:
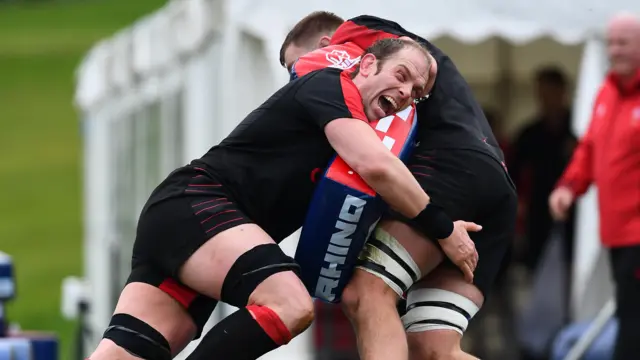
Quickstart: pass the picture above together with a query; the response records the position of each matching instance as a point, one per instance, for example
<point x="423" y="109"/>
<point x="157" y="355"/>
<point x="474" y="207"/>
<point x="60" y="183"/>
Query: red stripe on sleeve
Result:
<point x="352" y="97"/>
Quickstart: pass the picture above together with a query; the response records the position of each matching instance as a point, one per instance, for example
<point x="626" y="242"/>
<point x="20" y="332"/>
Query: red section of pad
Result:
<point x="180" y="293"/>
<point x="394" y="129"/>
<point x="341" y="173"/>
<point x="270" y="322"/>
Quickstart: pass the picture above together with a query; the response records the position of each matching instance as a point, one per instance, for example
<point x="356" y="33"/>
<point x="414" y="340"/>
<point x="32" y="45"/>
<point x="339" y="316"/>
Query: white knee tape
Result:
<point x="435" y="309"/>
<point x="384" y="257"/>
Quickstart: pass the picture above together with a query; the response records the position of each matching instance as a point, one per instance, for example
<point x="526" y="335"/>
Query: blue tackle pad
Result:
<point x="343" y="213"/>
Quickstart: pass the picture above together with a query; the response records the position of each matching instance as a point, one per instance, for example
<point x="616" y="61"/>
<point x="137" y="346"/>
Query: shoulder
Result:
<point x="331" y="83"/>
<point x="312" y="79"/>
<point x="331" y="88"/>
<point x="376" y="23"/>
<point x="339" y="56"/>
<point x="326" y="85"/>
<point x="605" y="98"/>
<point x="326" y="78"/>
<point x="607" y="88"/>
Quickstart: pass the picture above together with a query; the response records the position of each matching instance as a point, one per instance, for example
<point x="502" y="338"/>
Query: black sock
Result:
<point x="236" y="337"/>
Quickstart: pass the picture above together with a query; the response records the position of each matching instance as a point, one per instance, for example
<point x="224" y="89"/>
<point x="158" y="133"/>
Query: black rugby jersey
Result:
<point x="268" y="160"/>
<point x="451" y="118"/>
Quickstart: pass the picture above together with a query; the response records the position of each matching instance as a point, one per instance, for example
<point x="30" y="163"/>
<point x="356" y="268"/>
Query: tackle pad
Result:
<point x="344" y="211"/>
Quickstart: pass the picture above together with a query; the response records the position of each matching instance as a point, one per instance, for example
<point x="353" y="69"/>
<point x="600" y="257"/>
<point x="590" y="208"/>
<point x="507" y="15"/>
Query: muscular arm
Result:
<point x="578" y="175"/>
<point x="359" y="146"/>
<point x="333" y="103"/>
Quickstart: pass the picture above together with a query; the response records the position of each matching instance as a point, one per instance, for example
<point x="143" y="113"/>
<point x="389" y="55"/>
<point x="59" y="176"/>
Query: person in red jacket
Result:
<point x="609" y="156"/>
<point x="458" y="162"/>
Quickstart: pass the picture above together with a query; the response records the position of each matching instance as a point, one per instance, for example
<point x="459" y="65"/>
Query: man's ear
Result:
<point x="368" y="65"/>
<point x="324" y="41"/>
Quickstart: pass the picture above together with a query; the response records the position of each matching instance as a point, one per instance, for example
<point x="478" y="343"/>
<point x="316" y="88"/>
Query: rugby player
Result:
<point x="459" y="164"/>
<point x="209" y="231"/>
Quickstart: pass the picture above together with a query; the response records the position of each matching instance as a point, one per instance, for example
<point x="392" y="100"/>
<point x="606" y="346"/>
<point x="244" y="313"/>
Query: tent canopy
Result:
<point x="184" y="27"/>
<point x="520" y="21"/>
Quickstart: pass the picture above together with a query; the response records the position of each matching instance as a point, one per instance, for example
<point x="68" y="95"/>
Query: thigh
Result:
<point x="425" y="253"/>
<point x="397" y="256"/>
<point x="450" y="178"/>
<point x="244" y="266"/>
<point x="493" y="248"/>
<point x="449" y="279"/>
<point x="160" y="311"/>
<point x="181" y="215"/>
<point x="496" y="204"/>
<point x="207" y="269"/>
<point x="190" y="208"/>
<point x="196" y="306"/>
<point x="439" y="308"/>
<point x="401" y="255"/>
<point x="408" y="242"/>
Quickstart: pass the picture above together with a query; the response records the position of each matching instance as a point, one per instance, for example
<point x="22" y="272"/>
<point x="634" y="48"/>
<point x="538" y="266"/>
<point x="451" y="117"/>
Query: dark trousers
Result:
<point x="625" y="265"/>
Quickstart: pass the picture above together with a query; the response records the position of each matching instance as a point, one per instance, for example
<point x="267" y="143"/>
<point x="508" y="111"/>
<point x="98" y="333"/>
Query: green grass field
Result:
<point x="40" y="174"/>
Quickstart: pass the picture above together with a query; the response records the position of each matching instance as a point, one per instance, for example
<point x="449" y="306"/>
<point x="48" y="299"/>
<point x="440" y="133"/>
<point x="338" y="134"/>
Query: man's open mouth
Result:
<point x="387" y="104"/>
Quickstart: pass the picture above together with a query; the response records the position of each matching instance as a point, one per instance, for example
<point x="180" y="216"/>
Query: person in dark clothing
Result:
<point x="540" y="154"/>
<point x="458" y="161"/>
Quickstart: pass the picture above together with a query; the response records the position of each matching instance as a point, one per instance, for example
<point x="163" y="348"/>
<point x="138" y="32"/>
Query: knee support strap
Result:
<point x="435" y="309"/>
<point x="137" y="338"/>
<point x="384" y="257"/>
<point x="252" y="268"/>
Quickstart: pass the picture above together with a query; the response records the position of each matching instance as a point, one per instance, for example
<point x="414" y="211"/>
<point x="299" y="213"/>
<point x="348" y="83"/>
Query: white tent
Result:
<point x="162" y="91"/>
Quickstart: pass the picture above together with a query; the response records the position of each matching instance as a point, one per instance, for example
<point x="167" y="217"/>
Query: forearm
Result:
<point x="398" y="187"/>
<point x="360" y="147"/>
<point x="578" y="176"/>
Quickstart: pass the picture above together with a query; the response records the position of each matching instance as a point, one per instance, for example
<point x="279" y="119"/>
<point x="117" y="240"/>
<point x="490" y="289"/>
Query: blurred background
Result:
<point x="41" y="219"/>
<point x="100" y="100"/>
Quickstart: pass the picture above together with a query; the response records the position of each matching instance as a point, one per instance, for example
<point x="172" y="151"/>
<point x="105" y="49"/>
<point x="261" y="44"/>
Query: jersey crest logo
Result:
<point x="341" y="59"/>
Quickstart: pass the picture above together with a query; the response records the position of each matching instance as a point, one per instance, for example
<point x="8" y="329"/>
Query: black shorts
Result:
<point x="472" y="186"/>
<point x="187" y="209"/>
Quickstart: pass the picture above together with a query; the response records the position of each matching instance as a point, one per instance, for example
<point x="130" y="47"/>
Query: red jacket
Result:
<point x="609" y="156"/>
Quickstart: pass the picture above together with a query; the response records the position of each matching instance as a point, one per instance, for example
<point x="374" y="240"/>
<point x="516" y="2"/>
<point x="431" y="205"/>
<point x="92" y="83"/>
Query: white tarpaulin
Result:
<point x="183" y="26"/>
<point x="520" y="21"/>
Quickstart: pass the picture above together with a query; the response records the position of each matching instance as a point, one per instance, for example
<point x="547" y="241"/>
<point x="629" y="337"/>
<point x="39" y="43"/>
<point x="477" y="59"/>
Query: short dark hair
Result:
<point x="551" y="75"/>
<point x="310" y="26"/>
<point x="386" y="48"/>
